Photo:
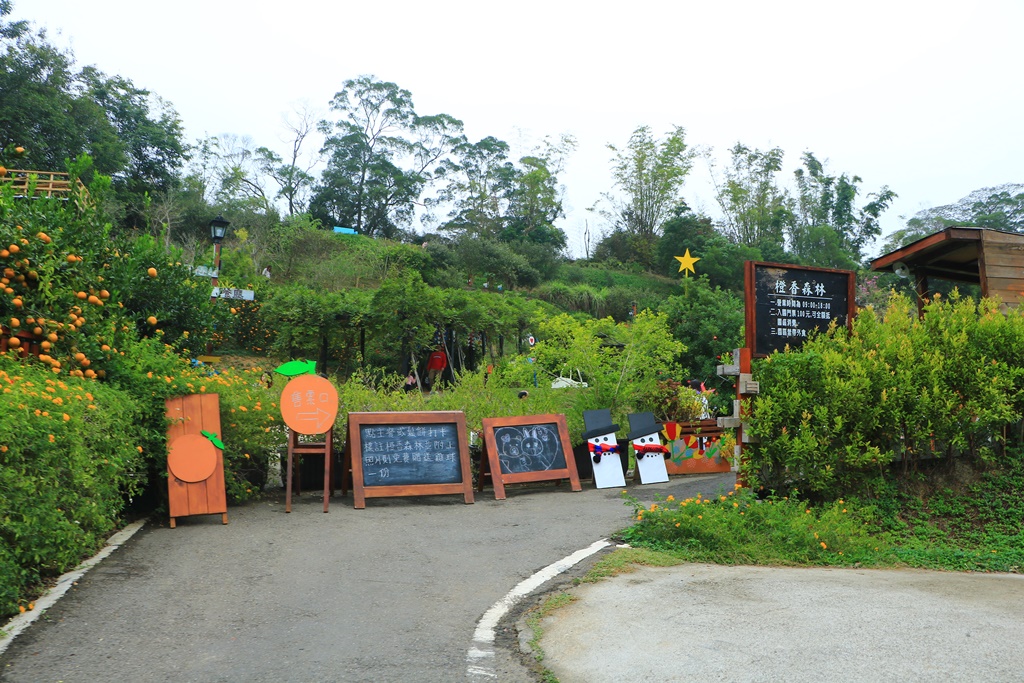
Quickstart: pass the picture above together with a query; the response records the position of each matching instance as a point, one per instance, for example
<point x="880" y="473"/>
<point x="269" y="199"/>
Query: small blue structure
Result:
<point x="344" y="231"/>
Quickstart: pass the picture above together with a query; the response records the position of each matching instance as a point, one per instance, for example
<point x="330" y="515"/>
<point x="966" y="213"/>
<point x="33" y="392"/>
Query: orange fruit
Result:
<point x="17" y="303"/>
<point x="14" y="248"/>
<point x="13" y="342"/>
<point x="152" y="272"/>
<point x="4" y="253"/>
<point x="93" y="299"/>
<point x="79" y="356"/>
<point x="86" y="363"/>
<point x="52" y="337"/>
<point x="19" y="150"/>
<point x="3" y="171"/>
<point x="105" y="347"/>
<point x="90" y="373"/>
<point x="104" y="294"/>
<point x="79" y="322"/>
<point x="101" y="373"/>
<point x="45" y="346"/>
<point x="37" y="331"/>
<point x="81" y="295"/>
<point x="151" y="320"/>
<point x="44" y="237"/>
<point x="72" y="258"/>
<point x="15" y="322"/>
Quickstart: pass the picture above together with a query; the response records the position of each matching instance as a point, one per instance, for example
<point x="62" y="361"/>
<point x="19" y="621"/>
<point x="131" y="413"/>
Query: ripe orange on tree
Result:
<point x="152" y="272"/>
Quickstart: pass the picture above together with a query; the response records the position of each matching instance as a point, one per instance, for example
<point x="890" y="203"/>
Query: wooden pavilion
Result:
<point x="991" y="258"/>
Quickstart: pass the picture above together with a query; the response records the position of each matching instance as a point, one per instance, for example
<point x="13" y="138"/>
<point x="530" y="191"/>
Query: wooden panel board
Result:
<point x="422" y="453"/>
<point x="192" y="415"/>
<point x="524" y="449"/>
<point x="995" y="237"/>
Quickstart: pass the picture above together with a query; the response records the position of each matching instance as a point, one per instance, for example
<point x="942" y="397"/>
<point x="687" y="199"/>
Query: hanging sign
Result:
<point x="229" y="293"/>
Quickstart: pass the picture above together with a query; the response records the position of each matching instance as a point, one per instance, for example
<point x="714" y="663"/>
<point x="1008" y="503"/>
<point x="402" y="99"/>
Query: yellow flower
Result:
<point x="670" y="499"/>
<point x="66" y="417"/>
<point x="735" y="505"/>
<point x="677" y="525"/>
<point x="246" y="455"/>
<point x="138" y="448"/>
<point x="700" y="516"/>
<point x="52" y="439"/>
<point x="823" y="546"/>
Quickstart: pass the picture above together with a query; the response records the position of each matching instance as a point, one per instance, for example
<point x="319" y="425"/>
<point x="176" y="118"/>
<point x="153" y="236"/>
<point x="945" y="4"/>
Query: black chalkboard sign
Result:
<point x="525" y="449"/>
<point x="394" y="455"/>
<point x="785" y="303"/>
<point x="408" y="454"/>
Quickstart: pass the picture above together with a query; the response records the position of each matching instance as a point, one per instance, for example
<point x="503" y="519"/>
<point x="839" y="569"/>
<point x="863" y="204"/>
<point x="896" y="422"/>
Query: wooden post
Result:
<point x="324" y="448"/>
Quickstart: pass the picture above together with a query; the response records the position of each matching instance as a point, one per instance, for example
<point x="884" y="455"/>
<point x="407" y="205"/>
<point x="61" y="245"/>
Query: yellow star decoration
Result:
<point x="686" y="263"/>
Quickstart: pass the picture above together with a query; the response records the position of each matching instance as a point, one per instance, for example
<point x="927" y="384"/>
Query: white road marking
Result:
<point x="483" y="637"/>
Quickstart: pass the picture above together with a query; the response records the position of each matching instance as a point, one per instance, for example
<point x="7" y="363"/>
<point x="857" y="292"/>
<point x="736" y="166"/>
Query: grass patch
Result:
<point x="551" y="603"/>
<point x="978" y="526"/>
<point x="626" y="560"/>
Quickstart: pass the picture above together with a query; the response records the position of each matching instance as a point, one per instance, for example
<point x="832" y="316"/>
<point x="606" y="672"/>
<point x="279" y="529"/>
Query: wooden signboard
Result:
<point x="784" y="303"/>
<point x="408" y="454"/>
<point x="309" y="405"/>
<point x="525" y="449"/>
<point x="195" y="467"/>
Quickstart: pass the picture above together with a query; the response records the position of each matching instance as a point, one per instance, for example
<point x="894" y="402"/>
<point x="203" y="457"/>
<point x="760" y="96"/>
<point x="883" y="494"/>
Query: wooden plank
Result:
<point x="1004" y="257"/>
<point x="996" y="237"/>
<point x="1007" y="272"/>
<point x="216" y="494"/>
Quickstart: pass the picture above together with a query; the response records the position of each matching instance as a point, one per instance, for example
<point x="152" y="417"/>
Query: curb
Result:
<point x="22" y="621"/>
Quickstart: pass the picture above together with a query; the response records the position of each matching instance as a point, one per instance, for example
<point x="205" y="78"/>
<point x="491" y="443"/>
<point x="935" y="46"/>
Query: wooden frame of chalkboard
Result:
<point x="408" y="454"/>
<point x="775" y="318"/>
<point x="526" y="448"/>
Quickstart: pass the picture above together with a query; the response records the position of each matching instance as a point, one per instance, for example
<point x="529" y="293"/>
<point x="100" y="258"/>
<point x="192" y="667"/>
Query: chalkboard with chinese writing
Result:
<point x="785" y="303"/>
<point x="408" y="454"/>
<point x="526" y="448"/>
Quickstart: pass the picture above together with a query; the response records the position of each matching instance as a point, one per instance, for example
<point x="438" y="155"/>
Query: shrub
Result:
<point x="70" y="459"/>
<point x="831" y="416"/>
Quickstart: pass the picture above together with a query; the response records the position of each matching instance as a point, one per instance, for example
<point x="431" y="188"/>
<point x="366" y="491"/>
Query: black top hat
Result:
<point x="642" y="424"/>
<point x="598" y="423"/>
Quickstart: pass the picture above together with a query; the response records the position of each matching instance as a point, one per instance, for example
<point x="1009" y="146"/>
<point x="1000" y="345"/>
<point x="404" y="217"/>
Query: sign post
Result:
<point x="309" y="405"/>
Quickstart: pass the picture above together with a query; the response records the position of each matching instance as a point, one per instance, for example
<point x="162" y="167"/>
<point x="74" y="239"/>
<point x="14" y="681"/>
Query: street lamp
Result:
<point x="218" y="228"/>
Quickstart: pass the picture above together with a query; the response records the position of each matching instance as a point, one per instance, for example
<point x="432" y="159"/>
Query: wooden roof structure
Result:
<point x="991" y="258"/>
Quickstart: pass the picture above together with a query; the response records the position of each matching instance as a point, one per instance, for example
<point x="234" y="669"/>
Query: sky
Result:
<point x="923" y="97"/>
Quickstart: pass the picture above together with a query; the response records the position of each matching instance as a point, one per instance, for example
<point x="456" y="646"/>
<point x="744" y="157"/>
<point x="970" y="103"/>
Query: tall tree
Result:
<point x="294" y="175"/>
<point x="757" y="212"/>
<point x="649" y="173"/>
<point x="380" y="155"/>
<point x="830" y="227"/>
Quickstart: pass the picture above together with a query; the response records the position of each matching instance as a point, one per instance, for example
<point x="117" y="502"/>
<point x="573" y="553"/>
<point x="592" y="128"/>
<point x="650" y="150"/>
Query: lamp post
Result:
<point x="218" y="228"/>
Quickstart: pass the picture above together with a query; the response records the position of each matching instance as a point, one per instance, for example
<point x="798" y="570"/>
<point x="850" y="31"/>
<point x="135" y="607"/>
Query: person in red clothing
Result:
<point x="436" y="364"/>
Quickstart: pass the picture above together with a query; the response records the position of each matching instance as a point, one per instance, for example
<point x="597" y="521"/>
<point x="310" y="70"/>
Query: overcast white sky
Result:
<point x="925" y="97"/>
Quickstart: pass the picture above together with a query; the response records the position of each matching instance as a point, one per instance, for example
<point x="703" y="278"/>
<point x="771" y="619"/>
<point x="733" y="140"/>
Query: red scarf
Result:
<point x="602" y="447"/>
<point x="650" y="449"/>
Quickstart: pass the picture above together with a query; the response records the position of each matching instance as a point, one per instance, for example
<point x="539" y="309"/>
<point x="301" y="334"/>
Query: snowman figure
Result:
<point x="604" y="449"/>
<point x="650" y="454"/>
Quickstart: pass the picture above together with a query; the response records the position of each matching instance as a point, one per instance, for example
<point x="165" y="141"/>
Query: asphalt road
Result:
<point x="389" y="593"/>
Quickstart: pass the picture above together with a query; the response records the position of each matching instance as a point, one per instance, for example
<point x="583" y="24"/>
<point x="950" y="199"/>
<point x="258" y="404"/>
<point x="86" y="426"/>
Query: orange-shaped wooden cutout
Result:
<point x="192" y="458"/>
<point x="195" y="468"/>
<point x="309" y="404"/>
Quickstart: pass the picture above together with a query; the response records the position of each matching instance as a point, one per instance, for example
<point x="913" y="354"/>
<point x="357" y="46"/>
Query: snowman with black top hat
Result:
<point x="650" y="453"/>
<point x="604" y="449"/>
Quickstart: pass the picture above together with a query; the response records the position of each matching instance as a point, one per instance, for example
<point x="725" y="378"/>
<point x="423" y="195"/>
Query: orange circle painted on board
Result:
<point x="192" y="458"/>
<point x="309" y="404"/>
